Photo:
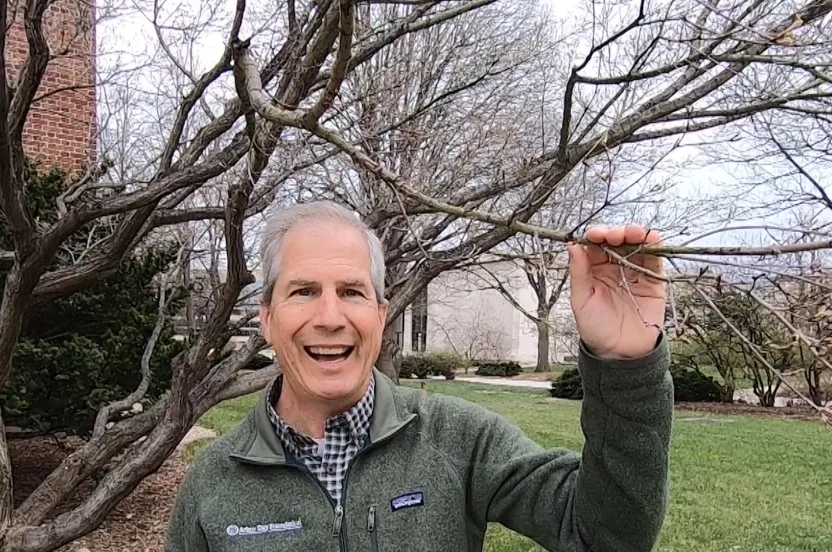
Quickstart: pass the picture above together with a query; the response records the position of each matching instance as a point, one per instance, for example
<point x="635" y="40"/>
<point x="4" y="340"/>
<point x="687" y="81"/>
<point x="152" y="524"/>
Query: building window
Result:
<point x="398" y="325"/>
<point x="419" y="317"/>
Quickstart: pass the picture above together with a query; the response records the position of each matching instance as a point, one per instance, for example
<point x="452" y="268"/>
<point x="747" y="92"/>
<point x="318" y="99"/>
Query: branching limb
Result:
<point x="339" y="68"/>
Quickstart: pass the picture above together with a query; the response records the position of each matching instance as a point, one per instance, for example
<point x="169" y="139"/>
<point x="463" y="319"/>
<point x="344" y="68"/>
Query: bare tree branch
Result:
<point x="200" y="86"/>
<point x="824" y="197"/>
<point x="137" y="395"/>
<point x="339" y="69"/>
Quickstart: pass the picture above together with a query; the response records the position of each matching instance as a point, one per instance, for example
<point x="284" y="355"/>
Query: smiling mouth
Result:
<point x="329" y="354"/>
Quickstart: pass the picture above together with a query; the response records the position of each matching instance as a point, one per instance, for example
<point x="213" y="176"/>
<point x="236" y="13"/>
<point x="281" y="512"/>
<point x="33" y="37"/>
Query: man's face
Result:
<point x="323" y="321"/>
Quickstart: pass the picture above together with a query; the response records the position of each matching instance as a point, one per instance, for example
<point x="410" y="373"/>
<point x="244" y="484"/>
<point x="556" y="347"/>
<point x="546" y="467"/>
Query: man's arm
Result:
<point x="185" y="533"/>
<point x="611" y="498"/>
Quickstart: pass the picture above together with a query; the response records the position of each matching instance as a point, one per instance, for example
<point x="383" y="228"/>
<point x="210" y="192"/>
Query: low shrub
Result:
<point x="688" y="385"/>
<point x="413" y="366"/>
<point x="693" y="386"/>
<point x="568" y="385"/>
<point x="430" y="364"/>
<point x="497" y="368"/>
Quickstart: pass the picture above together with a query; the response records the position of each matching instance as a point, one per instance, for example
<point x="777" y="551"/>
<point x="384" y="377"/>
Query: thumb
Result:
<point x="580" y="276"/>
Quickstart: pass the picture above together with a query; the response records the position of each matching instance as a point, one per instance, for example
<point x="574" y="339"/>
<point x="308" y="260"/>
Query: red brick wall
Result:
<point x="61" y="127"/>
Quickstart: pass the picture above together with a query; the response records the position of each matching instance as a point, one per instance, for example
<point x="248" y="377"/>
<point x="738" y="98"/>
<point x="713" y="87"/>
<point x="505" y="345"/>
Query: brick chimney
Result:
<point x="61" y="128"/>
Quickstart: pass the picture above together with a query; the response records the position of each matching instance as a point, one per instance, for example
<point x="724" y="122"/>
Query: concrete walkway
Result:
<point x="748" y="396"/>
<point x="529" y="384"/>
<point x="196" y="433"/>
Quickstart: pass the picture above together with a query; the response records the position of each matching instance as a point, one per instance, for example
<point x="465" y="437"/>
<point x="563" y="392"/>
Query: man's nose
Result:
<point x="329" y="315"/>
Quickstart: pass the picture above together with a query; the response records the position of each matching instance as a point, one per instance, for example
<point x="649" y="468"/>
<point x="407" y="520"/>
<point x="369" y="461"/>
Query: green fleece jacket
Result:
<point x="437" y="469"/>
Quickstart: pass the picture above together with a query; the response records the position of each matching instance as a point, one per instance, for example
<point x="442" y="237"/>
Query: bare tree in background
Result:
<point x="785" y="201"/>
<point x="201" y="157"/>
<point x="545" y="271"/>
<point x="544" y="263"/>
<point x="806" y="312"/>
<point x="290" y="109"/>
<point x="449" y="109"/>
<point x="653" y="79"/>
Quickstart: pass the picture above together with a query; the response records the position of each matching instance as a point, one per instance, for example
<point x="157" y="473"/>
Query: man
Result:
<point x="335" y="457"/>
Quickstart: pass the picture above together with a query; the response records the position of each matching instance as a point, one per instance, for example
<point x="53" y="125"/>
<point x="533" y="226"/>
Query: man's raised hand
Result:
<point x="619" y="310"/>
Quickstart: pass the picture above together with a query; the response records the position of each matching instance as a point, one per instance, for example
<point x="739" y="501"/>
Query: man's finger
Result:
<point x="634" y="234"/>
<point x="597" y="234"/>
<point x="580" y="276"/>
<point x="653" y="237"/>
<point x="653" y="263"/>
<point x="615" y="236"/>
<point x="596" y="255"/>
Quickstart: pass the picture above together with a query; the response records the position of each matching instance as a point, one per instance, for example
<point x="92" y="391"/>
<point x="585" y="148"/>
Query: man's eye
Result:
<point x="303" y="292"/>
<point x="353" y="293"/>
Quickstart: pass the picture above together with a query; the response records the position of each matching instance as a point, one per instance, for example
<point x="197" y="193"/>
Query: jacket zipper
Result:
<point x="339" y="517"/>
<point x="338" y="509"/>
<point x="337" y="523"/>
<point x="361" y="451"/>
<point x="371" y="528"/>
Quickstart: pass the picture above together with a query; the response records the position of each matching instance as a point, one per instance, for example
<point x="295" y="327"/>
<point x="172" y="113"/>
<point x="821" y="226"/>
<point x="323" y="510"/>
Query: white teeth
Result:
<point x="328" y="350"/>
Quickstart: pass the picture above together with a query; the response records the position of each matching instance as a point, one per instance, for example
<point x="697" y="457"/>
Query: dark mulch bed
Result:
<point x="787" y="412"/>
<point x="138" y="524"/>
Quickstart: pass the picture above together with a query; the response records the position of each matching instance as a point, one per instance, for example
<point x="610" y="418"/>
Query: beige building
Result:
<point x="464" y="313"/>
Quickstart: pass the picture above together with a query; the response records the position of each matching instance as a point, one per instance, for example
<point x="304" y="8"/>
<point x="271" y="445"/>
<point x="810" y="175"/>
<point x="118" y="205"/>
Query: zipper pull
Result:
<point x="371" y="519"/>
<point x="339" y="515"/>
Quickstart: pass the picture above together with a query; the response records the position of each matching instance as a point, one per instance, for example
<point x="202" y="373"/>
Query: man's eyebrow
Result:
<point x="354" y="282"/>
<point x="304" y="283"/>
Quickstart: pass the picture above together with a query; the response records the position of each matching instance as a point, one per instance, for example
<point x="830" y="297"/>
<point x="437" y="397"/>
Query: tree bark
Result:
<point x="6" y="504"/>
<point x="389" y="358"/>
<point x="813" y="375"/>
<point x="15" y="294"/>
<point x="189" y="300"/>
<point x="542" y="344"/>
<point x="84" y="461"/>
<point x="115" y="486"/>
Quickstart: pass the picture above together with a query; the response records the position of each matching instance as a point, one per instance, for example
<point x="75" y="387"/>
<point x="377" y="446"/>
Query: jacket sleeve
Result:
<point x="185" y="533"/>
<point x="613" y="496"/>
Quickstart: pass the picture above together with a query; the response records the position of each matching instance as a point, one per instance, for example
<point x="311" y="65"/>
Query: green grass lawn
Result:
<point x="738" y="484"/>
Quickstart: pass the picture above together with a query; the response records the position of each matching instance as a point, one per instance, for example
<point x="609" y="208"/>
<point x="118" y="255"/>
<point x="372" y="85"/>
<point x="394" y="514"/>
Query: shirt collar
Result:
<point x="356" y="420"/>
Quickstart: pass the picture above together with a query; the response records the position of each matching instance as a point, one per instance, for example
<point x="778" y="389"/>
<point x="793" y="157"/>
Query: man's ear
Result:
<point x="266" y="322"/>
<point x="382" y="313"/>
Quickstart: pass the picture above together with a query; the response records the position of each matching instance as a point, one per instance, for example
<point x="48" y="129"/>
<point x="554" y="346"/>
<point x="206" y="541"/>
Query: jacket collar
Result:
<point x="266" y="449"/>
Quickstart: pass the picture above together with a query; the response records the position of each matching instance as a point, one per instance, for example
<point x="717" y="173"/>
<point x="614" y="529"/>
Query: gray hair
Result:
<point x="284" y="220"/>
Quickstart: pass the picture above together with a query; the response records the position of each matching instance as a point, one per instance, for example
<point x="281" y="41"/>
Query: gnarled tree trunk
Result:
<point x="389" y="358"/>
<point x="542" y="343"/>
<point x="6" y="504"/>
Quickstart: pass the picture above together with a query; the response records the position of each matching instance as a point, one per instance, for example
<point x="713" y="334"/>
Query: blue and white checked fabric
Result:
<point x="344" y="435"/>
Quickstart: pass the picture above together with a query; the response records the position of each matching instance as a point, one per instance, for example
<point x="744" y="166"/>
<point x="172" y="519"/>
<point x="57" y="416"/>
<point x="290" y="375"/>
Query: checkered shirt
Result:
<point x="343" y="437"/>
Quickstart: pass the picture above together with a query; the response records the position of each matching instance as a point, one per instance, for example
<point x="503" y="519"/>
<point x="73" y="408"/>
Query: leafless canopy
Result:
<point x="448" y="124"/>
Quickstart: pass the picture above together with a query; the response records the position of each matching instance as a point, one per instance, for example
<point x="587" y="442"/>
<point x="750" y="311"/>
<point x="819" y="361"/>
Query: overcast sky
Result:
<point x="134" y="33"/>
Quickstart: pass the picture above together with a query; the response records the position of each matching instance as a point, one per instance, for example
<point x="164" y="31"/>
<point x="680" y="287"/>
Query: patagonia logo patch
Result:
<point x="263" y="528"/>
<point x="407" y="501"/>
